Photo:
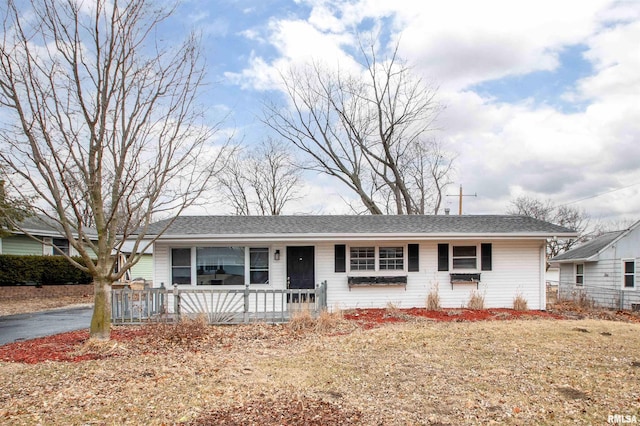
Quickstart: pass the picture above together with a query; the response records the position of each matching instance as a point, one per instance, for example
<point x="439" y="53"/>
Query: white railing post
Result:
<point x="176" y="301"/>
<point x="246" y="304"/>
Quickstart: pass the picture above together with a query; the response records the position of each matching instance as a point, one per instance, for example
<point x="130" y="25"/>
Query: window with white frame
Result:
<point x="181" y="266"/>
<point x="580" y="274"/>
<point x="629" y="274"/>
<point x="362" y="258"/>
<point x="259" y="265"/>
<point x="391" y="258"/>
<point x="465" y="257"/>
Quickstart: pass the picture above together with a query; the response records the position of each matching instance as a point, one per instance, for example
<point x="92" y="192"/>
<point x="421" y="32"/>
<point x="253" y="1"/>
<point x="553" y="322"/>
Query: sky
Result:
<point x="542" y="99"/>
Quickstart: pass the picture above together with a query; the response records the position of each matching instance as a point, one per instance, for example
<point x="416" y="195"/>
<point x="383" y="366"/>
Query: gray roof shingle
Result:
<point x="354" y="225"/>
<point x="590" y="248"/>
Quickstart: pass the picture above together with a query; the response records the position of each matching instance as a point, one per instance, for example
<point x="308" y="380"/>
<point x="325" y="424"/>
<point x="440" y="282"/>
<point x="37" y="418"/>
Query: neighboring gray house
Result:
<point x="48" y="236"/>
<point x="366" y="261"/>
<point x="603" y="271"/>
<point x="42" y="228"/>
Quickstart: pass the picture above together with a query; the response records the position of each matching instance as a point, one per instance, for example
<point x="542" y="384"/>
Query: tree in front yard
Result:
<point x="99" y="120"/>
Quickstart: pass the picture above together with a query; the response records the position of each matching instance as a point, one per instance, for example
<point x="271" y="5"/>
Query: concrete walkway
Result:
<point x="38" y="324"/>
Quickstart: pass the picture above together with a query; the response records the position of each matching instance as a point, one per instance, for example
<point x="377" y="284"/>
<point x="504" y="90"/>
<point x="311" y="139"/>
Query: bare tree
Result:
<point x="367" y="130"/>
<point x="101" y="123"/>
<point x="262" y="180"/>
<point x="569" y="217"/>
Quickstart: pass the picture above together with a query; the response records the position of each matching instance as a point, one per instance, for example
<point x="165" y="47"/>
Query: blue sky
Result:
<point x="541" y="97"/>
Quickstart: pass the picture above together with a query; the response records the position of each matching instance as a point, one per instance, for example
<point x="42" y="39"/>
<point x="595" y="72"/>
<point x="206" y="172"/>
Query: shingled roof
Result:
<point x="588" y="249"/>
<point x="383" y="225"/>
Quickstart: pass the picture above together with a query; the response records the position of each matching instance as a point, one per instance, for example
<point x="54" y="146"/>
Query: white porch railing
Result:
<point x="220" y="306"/>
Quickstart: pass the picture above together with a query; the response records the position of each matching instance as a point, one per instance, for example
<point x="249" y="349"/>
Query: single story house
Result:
<point x="366" y="261"/>
<point x="604" y="269"/>
<point x="47" y="236"/>
<point x="19" y="243"/>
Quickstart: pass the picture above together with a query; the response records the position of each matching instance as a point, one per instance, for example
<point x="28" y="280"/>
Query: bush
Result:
<point x="39" y="270"/>
<point x="520" y="303"/>
<point x="476" y="300"/>
<point x="433" y="299"/>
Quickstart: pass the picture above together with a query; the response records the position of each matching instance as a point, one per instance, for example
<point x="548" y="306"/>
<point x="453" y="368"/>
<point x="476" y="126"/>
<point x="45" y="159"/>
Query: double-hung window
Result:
<point x="580" y="274"/>
<point x="465" y="257"/>
<point x="362" y="258"/>
<point x="181" y="266"/>
<point x="629" y="274"/>
<point x="391" y="258"/>
<point x="259" y="265"/>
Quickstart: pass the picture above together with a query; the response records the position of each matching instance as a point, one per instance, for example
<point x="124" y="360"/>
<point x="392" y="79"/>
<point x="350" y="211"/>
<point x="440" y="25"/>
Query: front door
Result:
<point x="301" y="267"/>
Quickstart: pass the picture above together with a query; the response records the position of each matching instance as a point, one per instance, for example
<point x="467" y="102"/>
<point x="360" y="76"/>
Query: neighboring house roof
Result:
<point x="589" y="249"/>
<point x="43" y="226"/>
<point x="328" y="226"/>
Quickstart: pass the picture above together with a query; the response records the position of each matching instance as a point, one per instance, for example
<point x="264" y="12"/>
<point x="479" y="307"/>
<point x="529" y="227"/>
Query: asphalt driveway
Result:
<point x="38" y="324"/>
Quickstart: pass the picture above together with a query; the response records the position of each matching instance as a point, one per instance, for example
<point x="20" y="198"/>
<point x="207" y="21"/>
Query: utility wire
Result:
<point x="598" y="195"/>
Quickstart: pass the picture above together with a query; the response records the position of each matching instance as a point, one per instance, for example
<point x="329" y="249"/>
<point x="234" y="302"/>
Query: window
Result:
<point x="629" y="274"/>
<point x="580" y="274"/>
<point x="362" y="258"/>
<point x="464" y="257"/>
<point x="220" y="265"/>
<point x="259" y="265"/>
<point x="391" y="258"/>
<point x="60" y="245"/>
<point x="181" y="266"/>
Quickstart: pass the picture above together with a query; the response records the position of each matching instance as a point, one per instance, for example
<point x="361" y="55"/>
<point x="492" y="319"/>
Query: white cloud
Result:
<point x="504" y="149"/>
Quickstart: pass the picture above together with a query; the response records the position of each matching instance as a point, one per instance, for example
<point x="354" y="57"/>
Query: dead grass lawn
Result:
<point x="416" y="373"/>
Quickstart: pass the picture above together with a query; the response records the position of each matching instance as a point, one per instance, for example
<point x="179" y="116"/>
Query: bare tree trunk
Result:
<point x="101" y="318"/>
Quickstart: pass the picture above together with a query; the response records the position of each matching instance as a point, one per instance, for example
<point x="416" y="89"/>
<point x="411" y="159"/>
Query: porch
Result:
<point x="219" y="306"/>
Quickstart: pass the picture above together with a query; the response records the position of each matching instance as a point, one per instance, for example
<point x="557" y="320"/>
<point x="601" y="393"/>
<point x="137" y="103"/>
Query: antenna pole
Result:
<point x="460" y="195"/>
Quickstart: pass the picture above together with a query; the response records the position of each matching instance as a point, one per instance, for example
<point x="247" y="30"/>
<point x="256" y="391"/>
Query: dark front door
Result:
<point x="301" y="267"/>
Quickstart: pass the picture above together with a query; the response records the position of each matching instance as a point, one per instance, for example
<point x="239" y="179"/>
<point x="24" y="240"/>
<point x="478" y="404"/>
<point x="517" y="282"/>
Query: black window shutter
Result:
<point x="340" y="258"/>
<point x="414" y="257"/>
<point x="485" y="259"/>
<point x="443" y="257"/>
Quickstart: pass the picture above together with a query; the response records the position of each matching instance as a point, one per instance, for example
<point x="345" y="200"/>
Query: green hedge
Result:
<point x="39" y="270"/>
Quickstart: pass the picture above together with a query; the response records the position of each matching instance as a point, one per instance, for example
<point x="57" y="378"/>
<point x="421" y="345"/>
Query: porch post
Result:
<point x="246" y="303"/>
<point x="176" y="301"/>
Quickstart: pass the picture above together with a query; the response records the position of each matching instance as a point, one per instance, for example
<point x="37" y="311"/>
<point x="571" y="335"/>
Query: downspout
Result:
<point x="543" y="283"/>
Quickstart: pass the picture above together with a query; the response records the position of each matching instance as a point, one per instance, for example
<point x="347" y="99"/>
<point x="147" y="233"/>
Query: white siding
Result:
<point x="517" y="269"/>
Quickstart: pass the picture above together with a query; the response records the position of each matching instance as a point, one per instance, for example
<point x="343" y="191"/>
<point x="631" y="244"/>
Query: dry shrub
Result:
<point x="392" y="309"/>
<point x="433" y="299"/>
<point x="186" y="329"/>
<point x="520" y="303"/>
<point x="476" y="300"/>
<point x="584" y="301"/>
<point x="301" y="321"/>
<point x="326" y="321"/>
<point x="104" y="348"/>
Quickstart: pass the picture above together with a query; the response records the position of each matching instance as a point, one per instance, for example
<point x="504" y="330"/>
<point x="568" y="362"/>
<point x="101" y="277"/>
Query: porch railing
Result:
<point x="219" y="306"/>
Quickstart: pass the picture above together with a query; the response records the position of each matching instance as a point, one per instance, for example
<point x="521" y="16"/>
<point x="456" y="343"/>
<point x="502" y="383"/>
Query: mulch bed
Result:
<point x="371" y="318"/>
<point x="61" y="347"/>
<point x="72" y="346"/>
